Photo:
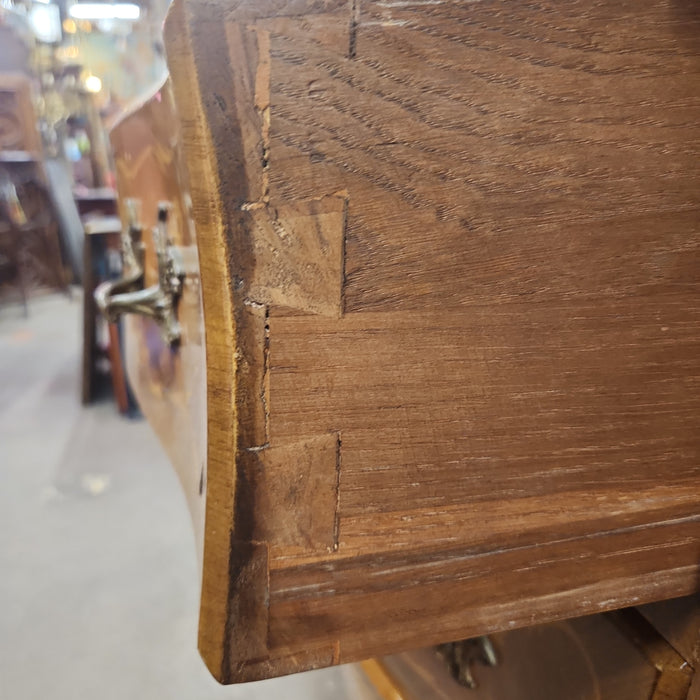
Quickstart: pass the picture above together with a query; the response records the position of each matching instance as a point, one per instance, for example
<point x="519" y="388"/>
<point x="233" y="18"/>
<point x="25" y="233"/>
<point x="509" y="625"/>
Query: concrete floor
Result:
<point x="98" y="579"/>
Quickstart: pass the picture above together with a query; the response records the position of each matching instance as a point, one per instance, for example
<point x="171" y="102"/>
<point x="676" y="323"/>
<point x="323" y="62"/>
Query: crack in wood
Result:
<point x="354" y="22"/>
<point x="265" y="388"/>
<point x="262" y="106"/>
<point x="338" y="467"/>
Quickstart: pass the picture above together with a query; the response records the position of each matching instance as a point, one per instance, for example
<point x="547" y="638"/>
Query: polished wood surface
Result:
<point x="450" y="259"/>
<point x="168" y="382"/>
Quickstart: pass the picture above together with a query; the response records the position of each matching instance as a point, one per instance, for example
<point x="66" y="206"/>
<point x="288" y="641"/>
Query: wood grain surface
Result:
<point x="450" y="259"/>
<point x="168" y="382"/>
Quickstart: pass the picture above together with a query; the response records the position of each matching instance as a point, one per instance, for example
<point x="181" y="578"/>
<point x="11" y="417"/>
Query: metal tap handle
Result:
<point x="127" y="294"/>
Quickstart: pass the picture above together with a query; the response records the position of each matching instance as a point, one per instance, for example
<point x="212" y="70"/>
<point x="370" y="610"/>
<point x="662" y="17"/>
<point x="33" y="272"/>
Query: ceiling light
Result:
<point x="93" y="83"/>
<point x="99" y="10"/>
<point x="45" y="20"/>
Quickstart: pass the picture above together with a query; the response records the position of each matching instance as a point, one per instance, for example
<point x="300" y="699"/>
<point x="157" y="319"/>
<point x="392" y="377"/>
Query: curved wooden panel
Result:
<point x="168" y="382"/>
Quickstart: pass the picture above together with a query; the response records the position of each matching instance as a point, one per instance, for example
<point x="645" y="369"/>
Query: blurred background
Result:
<point x="98" y="571"/>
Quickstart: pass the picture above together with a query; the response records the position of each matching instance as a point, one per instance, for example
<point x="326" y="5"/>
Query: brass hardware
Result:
<point x="461" y="656"/>
<point x="127" y="294"/>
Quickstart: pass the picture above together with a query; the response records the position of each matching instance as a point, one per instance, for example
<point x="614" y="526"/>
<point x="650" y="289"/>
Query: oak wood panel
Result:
<point x="487" y="415"/>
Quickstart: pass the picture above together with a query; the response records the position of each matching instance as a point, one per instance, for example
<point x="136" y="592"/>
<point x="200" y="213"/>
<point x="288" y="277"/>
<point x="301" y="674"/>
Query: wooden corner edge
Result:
<point x="220" y="337"/>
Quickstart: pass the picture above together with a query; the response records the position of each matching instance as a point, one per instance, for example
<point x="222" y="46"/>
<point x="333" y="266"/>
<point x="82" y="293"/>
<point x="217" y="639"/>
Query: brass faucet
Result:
<point x="127" y="294"/>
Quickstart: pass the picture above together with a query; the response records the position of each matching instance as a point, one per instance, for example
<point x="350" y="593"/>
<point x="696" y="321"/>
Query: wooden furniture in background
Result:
<point x="18" y="128"/>
<point x="102" y="356"/>
<point x="97" y="208"/>
<point x="450" y="261"/>
<point x="12" y="220"/>
<point x="96" y="201"/>
<point x="29" y="227"/>
<point x="35" y="232"/>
